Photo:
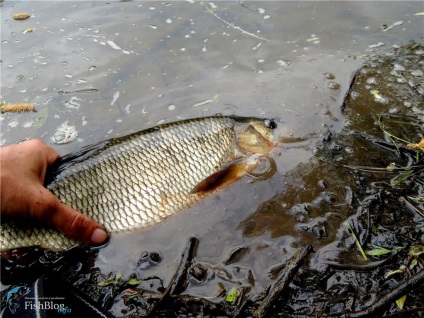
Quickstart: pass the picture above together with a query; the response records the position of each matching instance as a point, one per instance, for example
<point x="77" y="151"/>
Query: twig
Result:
<point x="282" y="283"/>
<point x="216" y="309"/>
<point x="347" y="94"/>
<point x="180" y="275"/>
<point x="233" y="25"/>
<point x="404" y="120"/>
<point x="391" y="136"/>
<point x="384" y="144"/>
<point x="361" y="267"/>
<point x="390" y="297"/>
<point x="377" y="169"/>
<point x="411" y="207"/>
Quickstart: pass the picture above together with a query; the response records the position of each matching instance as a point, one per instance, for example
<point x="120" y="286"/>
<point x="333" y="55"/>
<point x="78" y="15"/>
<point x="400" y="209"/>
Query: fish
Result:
<point x="138" y="180"/>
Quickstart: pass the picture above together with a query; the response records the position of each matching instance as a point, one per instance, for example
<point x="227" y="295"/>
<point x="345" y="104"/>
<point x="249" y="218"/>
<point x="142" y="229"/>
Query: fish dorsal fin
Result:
<point x="228" y="174"/>
<point x="73" y="158"/>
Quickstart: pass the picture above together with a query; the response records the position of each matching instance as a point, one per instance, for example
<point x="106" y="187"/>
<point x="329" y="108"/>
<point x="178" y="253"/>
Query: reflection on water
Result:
<point x="164" y="61"/>
<point x="110" y="68"/>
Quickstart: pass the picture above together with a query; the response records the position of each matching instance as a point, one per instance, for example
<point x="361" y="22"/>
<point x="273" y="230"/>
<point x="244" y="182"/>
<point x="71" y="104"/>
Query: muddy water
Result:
<point x="111" y="68"/>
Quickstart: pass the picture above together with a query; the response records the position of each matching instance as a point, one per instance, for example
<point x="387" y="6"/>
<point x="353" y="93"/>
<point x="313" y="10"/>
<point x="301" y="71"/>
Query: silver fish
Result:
<point x="138" y="180"/>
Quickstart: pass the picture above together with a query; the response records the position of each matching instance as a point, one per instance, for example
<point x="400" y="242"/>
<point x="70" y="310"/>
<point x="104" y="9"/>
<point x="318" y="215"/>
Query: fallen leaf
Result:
<point x="134" y="281"/>
<point x="376" y="94"/>
<point x="312" y="39"/>
<point x="401" y="302"/>
<point x="232" y="295"/>
<point x="27" y="31"/>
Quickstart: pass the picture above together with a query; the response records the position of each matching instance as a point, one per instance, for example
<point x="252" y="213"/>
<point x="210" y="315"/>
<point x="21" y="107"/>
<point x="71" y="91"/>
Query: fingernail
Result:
<point x="99" y="236"/>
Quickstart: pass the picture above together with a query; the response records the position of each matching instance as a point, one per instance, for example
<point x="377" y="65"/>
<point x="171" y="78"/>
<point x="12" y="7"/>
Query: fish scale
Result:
<point x="134" y="181"/>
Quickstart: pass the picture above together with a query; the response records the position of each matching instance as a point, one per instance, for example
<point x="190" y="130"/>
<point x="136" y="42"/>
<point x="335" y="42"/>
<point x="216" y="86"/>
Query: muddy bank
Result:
<point x="383" y="179"/>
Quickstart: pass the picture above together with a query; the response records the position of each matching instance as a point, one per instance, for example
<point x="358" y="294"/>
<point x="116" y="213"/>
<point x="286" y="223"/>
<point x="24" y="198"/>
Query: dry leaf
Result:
<point x="419" y="145"/>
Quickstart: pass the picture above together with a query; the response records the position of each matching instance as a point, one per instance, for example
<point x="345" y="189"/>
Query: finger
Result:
<point x="73" y="223"/>
<point x="49" y="154"/>
<point x="41" y="156"/>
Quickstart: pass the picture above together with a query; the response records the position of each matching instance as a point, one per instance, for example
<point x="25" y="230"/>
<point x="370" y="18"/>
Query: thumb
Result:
<point x="73" y="223"/>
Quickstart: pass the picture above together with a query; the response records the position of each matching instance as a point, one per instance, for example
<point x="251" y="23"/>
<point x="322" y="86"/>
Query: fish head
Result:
<point x="256" y="136"/>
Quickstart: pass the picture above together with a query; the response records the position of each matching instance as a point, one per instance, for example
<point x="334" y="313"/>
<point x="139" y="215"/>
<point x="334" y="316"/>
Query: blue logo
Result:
<point x="64" y="310"/>
<point x="14" y="295"/>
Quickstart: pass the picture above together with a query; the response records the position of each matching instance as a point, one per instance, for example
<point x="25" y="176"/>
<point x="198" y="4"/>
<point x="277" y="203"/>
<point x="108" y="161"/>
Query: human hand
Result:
<point x="24" y="197"/>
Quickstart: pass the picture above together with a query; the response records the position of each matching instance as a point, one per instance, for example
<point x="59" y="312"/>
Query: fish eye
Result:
<point x="270" y="123"/>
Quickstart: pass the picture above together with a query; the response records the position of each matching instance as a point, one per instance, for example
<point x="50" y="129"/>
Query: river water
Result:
<point x="97" y="70"/>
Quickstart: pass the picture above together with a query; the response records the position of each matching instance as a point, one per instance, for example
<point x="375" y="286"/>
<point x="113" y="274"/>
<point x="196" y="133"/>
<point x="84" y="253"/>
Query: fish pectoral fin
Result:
<point x="223" y="177"/>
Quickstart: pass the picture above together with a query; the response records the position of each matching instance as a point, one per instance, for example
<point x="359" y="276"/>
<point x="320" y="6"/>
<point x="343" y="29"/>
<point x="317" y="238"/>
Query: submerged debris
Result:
<point x="387" y="28"/>
<point x="233" y="25"/>
<point x="64" y="134"/>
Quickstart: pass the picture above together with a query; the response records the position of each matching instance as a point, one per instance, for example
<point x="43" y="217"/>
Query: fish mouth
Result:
<point x="280" y="136"/>
<point x="288" y="140"/>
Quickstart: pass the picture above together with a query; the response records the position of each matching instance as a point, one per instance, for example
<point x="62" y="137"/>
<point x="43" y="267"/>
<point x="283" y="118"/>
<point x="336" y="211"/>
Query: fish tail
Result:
<point x="13" y="307"/>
